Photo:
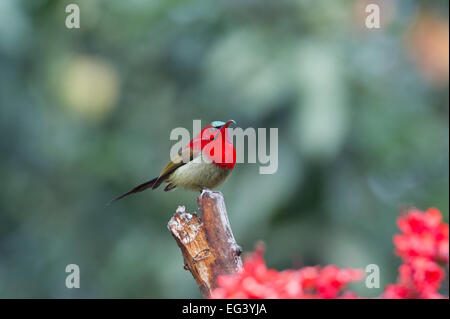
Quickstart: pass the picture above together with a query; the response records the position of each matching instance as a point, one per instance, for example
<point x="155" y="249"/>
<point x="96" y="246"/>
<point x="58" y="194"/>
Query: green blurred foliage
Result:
<point x="86" y="114"/>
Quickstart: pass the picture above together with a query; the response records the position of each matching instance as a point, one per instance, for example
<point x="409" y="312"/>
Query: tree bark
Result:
<point x="207" y="243"/>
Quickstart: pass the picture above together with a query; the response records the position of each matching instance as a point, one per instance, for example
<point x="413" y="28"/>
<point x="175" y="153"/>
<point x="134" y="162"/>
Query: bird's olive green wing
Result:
<point x="183" y="157"/>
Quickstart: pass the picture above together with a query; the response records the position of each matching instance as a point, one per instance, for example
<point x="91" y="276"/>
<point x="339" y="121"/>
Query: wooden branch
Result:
<point x="207" y="244"/>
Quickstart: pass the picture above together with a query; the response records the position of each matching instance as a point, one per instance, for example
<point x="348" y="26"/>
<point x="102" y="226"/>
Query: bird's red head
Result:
<point x="215" y="142"/>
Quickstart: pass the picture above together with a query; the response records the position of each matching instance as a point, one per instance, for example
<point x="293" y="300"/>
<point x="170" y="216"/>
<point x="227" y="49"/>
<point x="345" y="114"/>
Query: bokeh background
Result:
<point x="86" y="114"/>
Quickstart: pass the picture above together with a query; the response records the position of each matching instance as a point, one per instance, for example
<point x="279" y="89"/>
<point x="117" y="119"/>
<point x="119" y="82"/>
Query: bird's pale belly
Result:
<point x="196" y="176"/>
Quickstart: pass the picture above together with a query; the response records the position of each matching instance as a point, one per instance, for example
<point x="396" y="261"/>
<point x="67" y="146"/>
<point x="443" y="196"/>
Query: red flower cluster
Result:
<point x="424" y="243"/>
<point x="258" y="282"/>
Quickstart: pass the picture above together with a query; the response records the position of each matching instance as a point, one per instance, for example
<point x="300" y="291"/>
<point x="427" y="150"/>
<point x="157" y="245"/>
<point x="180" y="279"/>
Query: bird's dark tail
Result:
<point x="137" y="189"/>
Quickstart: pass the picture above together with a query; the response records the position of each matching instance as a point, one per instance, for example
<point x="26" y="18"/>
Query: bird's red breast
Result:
<point x="216" y="144"/>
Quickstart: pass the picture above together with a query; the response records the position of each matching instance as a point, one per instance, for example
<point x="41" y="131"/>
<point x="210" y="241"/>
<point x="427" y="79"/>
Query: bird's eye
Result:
<point x="210" y="134"/>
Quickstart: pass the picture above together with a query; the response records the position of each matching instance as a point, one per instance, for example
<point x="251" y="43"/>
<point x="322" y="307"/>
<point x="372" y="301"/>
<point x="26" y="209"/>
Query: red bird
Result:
<point x="204" y="163"/>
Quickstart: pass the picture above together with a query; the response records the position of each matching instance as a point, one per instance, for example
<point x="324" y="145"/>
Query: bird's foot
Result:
<point x="237" y="250"/>
<point x="204" y="189"/>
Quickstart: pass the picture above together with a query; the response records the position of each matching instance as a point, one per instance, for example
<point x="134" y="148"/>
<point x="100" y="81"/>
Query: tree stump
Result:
<point x="207" y="243"/>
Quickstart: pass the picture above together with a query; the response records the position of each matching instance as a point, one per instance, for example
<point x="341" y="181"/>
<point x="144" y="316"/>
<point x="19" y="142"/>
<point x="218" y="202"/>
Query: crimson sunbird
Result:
<point x="204" y="163"/>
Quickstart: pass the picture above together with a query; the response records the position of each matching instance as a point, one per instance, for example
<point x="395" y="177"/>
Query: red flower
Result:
<point x="424" y="243"/>
<point x="424" y="234"/>
<point x="256" y="281"/>
<point x="396" y="291"/>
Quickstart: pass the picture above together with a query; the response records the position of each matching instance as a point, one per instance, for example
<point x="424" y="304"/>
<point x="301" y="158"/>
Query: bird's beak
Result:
<point x="222" y="129"/>
<point x="229" y="123"/>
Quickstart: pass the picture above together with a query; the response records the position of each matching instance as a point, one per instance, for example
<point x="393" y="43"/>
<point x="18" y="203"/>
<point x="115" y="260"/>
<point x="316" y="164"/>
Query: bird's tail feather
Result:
<point x="137" y="189"/>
